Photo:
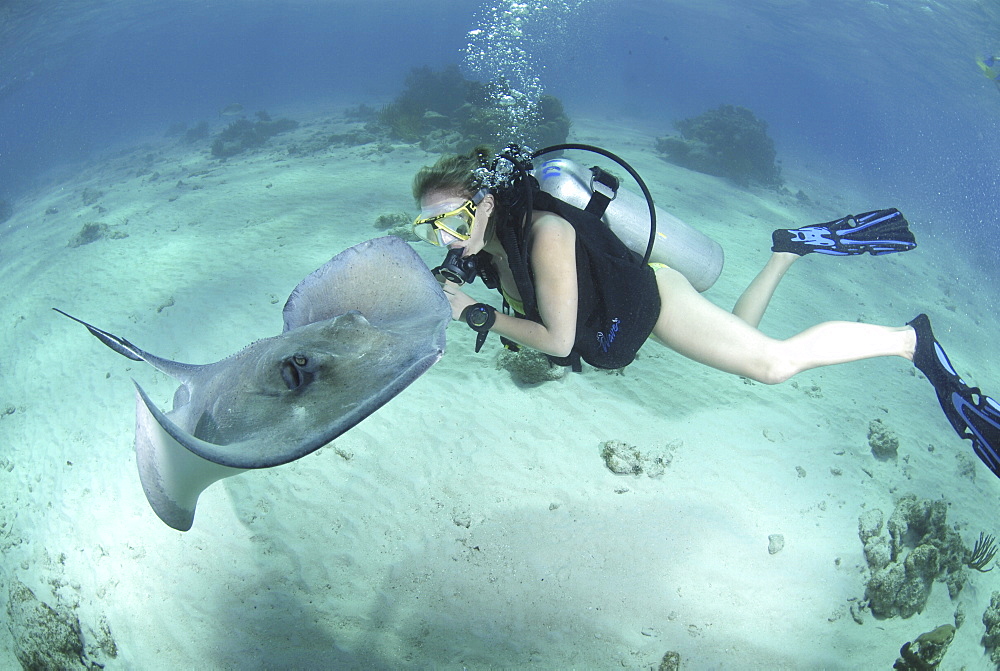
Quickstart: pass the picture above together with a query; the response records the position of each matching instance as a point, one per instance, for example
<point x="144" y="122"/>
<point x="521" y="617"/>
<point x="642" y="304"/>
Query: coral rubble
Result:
<point x="93" y="231"/>
<point x="926" y="651"/>
<point x="991" y="639"/>
<point x="44" y="638"/>
<point x="882" y="440"/>
<point x="624" y="459"/>
<point x="243" y="134"/>
<point x="528" y="366"/>
<point x="398" y="224"/>
<point x="728" y="142"/>
<point x="389" y="220"/>
<point x="197" y="132"/>
<point x="671" y="661"/>
<point x="91" y="196"/>
<point x="444" y="113"/>
<point x="921" y="549"/>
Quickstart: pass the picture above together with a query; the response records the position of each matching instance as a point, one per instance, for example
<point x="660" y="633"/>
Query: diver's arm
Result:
<point x="553" y="256"/>
<point x="553" y="263"/>
<point x="529" y="334"/>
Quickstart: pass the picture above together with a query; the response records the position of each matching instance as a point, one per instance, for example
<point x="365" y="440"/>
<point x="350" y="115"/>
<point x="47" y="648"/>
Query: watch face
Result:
<point x="478" y="317"/>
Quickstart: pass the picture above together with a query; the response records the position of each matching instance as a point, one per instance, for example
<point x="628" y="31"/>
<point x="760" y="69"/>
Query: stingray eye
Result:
<point x="294" y="371"/>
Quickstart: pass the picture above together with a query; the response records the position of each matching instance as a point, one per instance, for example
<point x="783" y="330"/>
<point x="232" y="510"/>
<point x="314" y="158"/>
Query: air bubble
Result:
<point x="504" y="51"/>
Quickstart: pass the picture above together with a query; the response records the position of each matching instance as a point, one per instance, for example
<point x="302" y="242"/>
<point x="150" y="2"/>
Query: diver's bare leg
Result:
<point x="751" y="305"/>
<point x="700" y="330"/>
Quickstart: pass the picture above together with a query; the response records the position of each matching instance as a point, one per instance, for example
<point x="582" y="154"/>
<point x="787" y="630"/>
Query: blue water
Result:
<point x="885" y="95"/>
<point x="886" y="92"/>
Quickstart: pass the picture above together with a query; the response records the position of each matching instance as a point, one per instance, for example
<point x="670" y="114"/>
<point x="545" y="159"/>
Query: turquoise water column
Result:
<point x="508" y="50"/>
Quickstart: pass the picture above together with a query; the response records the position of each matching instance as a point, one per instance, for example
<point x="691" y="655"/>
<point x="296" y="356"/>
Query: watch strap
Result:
<point x="479" y="310"/>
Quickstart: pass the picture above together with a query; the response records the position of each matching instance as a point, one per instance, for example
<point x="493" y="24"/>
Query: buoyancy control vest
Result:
<point x="618" y="298"/>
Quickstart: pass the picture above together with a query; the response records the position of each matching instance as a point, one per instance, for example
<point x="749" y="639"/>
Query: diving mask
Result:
<point x="436" y="226"/>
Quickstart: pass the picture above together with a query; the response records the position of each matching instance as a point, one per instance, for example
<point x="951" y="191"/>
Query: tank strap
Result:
<point x="507" y="342"/>
<point x="572" y="361"/>
<point x="603" y="189"/>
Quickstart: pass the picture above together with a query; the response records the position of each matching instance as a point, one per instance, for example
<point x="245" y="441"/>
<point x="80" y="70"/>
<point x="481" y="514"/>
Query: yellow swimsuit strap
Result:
<point x="515" y="305"/>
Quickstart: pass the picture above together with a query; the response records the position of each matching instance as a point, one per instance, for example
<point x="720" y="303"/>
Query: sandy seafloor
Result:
<point x="471" y="522"/>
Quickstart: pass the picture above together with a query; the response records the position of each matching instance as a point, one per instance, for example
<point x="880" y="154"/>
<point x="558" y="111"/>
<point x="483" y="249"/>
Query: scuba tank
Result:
<point x="675" y="244"/>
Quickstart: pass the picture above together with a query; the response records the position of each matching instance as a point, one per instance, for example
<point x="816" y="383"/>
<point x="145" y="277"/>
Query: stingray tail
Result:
<point x="184" y="372"/>
<point x="120" y="345"/>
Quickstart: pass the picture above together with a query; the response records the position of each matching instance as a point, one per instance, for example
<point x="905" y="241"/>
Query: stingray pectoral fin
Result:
<point x="384" y="279"/>
<point x="274" y="443"/>
<point x="172" y="476"/>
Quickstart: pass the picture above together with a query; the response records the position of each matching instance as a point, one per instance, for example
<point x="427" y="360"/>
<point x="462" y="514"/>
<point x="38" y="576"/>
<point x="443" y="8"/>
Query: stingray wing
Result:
<point x="175" y="466"/>
<point x="260" y="410"/>
<point x="270" y="439"/>
<point x="384" y="279"/>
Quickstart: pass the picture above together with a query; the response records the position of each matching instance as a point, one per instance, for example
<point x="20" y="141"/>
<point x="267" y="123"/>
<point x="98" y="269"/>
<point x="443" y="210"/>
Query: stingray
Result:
<point x="357" y="332"/>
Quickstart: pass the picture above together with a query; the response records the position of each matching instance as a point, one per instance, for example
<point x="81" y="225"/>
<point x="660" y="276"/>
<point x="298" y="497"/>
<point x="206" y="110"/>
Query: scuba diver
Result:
<point x="573" y="290"/>
<point x="990" y="65"/>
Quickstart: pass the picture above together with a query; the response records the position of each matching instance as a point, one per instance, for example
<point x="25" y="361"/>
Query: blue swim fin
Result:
<point x="974" y="415"/>
<point x="876" y="233"/>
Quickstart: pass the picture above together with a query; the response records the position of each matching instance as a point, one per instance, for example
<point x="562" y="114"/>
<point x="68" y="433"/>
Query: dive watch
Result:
<point x="480" y="317"/>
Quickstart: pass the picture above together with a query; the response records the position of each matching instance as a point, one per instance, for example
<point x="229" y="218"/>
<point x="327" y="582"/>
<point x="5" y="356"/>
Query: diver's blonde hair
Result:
<point x="452" y="173"/>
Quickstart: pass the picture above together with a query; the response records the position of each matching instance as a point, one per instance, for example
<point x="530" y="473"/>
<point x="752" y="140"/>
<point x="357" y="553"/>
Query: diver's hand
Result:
<point x="459" y="299"/>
